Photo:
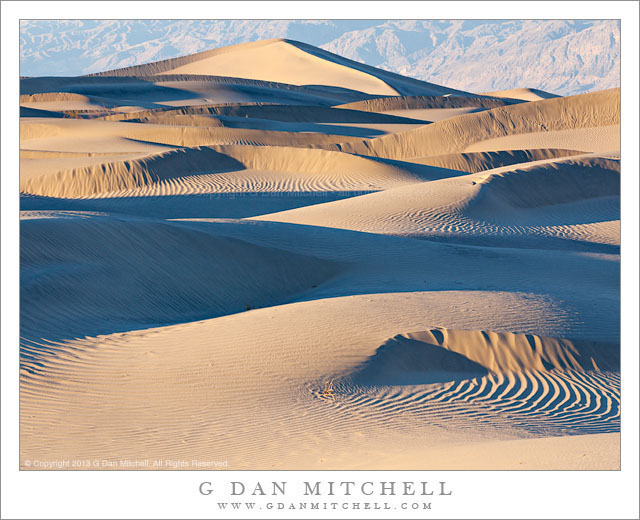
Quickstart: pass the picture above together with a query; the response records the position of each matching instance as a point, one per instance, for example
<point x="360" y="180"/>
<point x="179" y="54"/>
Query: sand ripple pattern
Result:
<point x="541" y="403"/>
<point x="543" y="386"/>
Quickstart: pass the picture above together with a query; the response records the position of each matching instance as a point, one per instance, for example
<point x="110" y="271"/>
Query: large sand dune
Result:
<point x="273" y="256"/>
<point x="288" y="61"/>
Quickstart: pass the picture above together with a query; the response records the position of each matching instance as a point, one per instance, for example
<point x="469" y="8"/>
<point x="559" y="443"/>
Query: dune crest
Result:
<point x="598" y="109"/>
<point x="563" y="181"/>
<point x="443" y="354"/>
<point x="523" y="94"/>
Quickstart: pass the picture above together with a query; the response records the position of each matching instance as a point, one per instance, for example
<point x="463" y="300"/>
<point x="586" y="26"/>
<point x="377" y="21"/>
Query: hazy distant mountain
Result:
<point x="565" y="57"/>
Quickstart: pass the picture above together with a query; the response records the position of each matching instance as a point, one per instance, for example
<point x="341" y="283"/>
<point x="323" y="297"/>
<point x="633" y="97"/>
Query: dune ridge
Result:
<point x="414" y="102"/>
<point x="596" y="109"/>
<point x="339" y="171"/>
<point x="522" y="94"/>
<point x="474" y="162"/>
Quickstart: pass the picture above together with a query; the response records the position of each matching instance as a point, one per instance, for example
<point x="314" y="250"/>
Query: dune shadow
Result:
<point x="214" y="205"/>
<point x="124" y="89"/>
<point x="523" y="242"/>
<point x="406" y="361"/>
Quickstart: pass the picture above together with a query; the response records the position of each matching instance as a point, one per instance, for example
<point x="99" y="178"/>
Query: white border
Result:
<point x="174" y="495"/>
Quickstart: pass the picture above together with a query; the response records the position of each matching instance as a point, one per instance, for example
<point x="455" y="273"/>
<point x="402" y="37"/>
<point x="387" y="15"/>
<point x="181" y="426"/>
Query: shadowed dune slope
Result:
<point x="169" y="90"/>
<point x="439" y="355"/>
<point x="475" y="162"/>
<point x="38" y="112"/>
<point x="87" y="275"/>
<point x="285" y="113"/>
<point x="386" y="104"/>
<point x="595" y="109"/>
<point x="554" y="182"/>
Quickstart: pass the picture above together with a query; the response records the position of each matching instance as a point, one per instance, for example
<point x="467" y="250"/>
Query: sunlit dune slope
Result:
<point x="523" y="94"/>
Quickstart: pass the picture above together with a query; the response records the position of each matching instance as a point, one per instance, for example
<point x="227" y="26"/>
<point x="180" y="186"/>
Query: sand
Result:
<point x="524" y="94"/>
<point x="270" y="255"/>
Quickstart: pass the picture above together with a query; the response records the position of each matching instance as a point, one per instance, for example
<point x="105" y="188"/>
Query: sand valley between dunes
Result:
<point x="271" y="255"/>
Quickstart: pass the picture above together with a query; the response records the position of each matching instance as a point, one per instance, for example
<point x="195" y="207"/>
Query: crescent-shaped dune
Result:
<point x="453" y="354"/>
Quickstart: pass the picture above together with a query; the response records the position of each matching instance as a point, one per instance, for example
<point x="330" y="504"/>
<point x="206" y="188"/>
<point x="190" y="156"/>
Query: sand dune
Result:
<point x="224" y="169"/>
<point x="388" y="104"/>
<point x="450" y="354"/>
<point x="39" y="130"/>
<point x="593" y="110"/>
<point x="65" y="102"/>
<point x="273" y="112"/>
<point x="524" y="94"/>
<point x="280" y="118"/>
<point x="171" y="90"/>
<point x="430" y="108"/>
<point x="288" y="62"/>
<point x="564" y="181"/>
<point x="290" y="396"/>
<point x="572" y="201"/>
<point x="271" y="255"/>
<point x="474" y="162"/>
<point x="599" y="140"/>
<point x="39" y="163"/>
<point x="104" y="274"/>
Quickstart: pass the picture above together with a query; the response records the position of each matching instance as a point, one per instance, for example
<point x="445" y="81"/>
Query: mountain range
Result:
<point x="560" y="56"/>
